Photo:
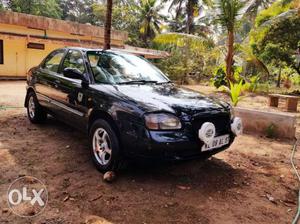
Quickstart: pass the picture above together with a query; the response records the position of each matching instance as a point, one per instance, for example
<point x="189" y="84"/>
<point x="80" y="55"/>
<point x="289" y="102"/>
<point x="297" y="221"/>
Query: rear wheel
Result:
<point x="104" y="146"/>
<point x="35" y="112"/>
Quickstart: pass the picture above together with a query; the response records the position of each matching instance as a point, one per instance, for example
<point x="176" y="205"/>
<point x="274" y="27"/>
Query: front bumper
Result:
<point x="181" y="144"/>
<point x="170" y="145"/>
<point x="184" y="148"/>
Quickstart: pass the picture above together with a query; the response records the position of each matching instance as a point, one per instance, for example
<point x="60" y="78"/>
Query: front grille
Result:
<point x="220" y="120"/>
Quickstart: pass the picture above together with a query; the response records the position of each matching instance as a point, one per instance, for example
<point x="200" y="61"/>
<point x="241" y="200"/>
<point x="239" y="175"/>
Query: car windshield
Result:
<point x="121" y="68"/>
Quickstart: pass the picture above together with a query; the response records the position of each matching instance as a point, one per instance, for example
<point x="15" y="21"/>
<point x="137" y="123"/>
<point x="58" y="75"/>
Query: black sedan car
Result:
<point x="128" y="107"/>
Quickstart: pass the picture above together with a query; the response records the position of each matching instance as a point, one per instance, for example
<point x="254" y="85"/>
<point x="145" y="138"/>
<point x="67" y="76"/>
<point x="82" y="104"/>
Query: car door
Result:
<point x="72" y="97"/>
<point x="47" y="79"/>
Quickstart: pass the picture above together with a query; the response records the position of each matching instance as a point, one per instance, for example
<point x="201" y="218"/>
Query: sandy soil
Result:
<point x="252" y="182"/>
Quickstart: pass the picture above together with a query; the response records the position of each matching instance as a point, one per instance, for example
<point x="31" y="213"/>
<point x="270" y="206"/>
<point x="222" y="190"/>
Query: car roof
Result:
<point x="90" y="49"/>
<point x="82" y="48"/>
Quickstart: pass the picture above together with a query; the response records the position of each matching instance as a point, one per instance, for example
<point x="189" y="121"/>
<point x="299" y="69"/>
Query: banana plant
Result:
<point x="234" y="91"/>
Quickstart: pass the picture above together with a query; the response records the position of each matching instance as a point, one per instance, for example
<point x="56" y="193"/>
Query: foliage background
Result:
<point x="266" y="33"/>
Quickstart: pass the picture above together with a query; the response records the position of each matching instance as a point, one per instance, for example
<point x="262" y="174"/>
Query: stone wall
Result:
<point x="281" y="125"/>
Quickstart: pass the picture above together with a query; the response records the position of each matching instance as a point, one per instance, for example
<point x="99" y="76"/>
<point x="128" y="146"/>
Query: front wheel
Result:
<point x="35" y="112"/>
<point x="104" y="146"/>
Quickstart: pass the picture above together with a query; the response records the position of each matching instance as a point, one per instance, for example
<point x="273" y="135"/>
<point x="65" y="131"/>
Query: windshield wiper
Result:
<point x="137" y="82"/>
<point x="164" y="82"/>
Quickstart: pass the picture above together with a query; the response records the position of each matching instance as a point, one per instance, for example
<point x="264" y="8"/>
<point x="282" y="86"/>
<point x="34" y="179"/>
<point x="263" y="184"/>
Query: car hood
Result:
<point x="167" y="97"/>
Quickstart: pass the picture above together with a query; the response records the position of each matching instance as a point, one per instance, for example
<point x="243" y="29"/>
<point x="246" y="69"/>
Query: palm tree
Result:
<point x="148" y="11"/>
<point x="186" y="48"/>
<point x="192" y="8"/>
<point x="227" y="18"/>
<point x="254" y="6"/>
<point x="107" y="32"/>
<point x="249" y="57"/>
<point x="177" y="23"/>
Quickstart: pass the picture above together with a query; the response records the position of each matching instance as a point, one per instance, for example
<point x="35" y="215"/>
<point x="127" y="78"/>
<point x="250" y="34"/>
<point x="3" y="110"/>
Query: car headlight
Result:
<point x="161" y="121"/>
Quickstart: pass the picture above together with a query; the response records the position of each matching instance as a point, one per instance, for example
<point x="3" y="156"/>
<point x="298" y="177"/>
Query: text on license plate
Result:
<point x="216" y="143"/>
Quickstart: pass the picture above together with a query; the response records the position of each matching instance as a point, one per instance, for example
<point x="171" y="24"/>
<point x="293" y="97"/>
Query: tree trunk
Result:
<point x="107" y="32"/>
<point x="279" y="78"/>
<point x="178" y="10"/>
<point x="266" y="70"/>
<point x="190" y="16"/>
<point x="147" y="32"/>
<point x="229" y="57"/>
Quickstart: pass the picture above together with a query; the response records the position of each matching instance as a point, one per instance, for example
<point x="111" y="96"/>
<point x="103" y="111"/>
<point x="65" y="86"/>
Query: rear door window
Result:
<point x="52" y="62"/>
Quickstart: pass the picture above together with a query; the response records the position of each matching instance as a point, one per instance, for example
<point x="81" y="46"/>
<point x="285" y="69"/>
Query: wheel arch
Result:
<point x="99" y="114"/>
<point x="29" y="90"/>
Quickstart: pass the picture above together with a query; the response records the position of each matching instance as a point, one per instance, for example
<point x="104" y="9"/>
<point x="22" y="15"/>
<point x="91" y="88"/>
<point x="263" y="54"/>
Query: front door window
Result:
<point x="74" y="60"/>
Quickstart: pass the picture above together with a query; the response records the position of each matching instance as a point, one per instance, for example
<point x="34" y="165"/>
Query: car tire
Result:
<point x="104" y="146"/>
<point x="35" y="112"/>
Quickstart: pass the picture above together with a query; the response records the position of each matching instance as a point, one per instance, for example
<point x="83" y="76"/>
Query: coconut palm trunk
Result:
<point x="229" y="57"/>
<point x="190" y="16"/>
<point x="147" y="33"/>
<point x="107" y="32"/>
<point x="227" y="18"/>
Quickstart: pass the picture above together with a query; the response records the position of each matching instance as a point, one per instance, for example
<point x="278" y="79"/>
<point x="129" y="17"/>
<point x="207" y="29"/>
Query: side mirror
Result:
<point x="73" y="73"/>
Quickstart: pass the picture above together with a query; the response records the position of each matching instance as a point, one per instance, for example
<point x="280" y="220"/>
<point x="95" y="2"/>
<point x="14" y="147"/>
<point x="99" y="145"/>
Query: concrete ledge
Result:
<point x="43" y="23"/>
<point x="12" y="78"/>
<point x="282" y="125"/>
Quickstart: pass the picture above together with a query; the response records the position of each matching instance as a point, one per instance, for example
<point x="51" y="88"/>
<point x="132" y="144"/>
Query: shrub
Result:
<point x="295" y="79"/>
<point x="237" y="74"/>
<point x="263" y="88"/>
<point x="271" y="131"/>
<point x="254" y="81"/>
<point x="219" y="78"/>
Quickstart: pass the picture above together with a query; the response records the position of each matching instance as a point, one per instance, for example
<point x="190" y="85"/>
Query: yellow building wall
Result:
<point x="13" y="54"/>
<point x="7" y="28"/>
<point x="18" y="59"/>
<point x="49" y="33"/>
<point x="35" y="56"/>
<point x="20" y="29"/>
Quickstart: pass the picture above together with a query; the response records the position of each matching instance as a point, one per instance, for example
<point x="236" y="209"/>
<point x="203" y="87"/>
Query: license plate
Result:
<point x="216" y="143"/>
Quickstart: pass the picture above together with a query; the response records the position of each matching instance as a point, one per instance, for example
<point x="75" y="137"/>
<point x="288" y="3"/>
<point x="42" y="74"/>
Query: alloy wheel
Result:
<point x="31" y="107"/>
<point x="102" y="146"/>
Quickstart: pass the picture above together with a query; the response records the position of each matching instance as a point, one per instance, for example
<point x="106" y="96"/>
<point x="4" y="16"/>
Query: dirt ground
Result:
<point x="252" y="182"/>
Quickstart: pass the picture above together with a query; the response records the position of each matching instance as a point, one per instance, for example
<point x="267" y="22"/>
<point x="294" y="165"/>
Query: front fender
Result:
<point x="29" y="89"/>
